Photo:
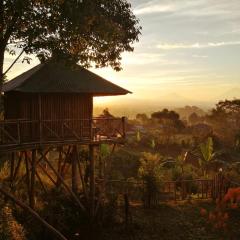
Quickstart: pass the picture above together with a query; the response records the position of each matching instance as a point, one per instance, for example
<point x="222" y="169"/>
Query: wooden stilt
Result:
<point x="64" y="184"/>
<point x="100" y="164"/>
<point x="74" y="169"/>
<point x="34" y="214"/>
<point x="63" y="166"/>
<point x="12" y="167"/>
<point x="33" y="171"/>
<point x="18" y="166"/>
<point x="60" y="160"/>
<point x="92" y="180"/>
<point x="28" y="180"/>
<point x="41" y="182"/>
<point x="82" y="178"/>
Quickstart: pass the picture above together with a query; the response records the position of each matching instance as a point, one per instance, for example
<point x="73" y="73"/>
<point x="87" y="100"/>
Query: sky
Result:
<point x="189" y="49"/>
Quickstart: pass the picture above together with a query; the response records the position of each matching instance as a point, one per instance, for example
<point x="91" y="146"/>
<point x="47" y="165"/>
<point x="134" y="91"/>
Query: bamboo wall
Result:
<point x="51" y="109"/>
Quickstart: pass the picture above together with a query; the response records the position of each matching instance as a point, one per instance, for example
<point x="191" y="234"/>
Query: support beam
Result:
<point x="74" y="169"/>
<point x="18" y="166"/>
<point x="32" y="189"/>
<point x="84" y="188"/>
<point x="28" y="179"/>
<point x="62" y="171"/>
<point x="92" y="180"/>
<point x="64" y="184"/>
<point x="12" y="167"/>
<point x="34" y="214"/>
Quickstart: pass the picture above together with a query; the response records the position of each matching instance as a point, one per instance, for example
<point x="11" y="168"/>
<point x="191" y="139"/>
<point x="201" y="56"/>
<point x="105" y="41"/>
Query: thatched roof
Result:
<point x="52" y="77"/>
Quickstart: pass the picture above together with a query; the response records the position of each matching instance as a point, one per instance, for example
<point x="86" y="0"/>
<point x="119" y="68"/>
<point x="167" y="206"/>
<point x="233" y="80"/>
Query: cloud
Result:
<point x="191" y="8"/>
<point x="170" y="46"/>
<point x="200" y="56"/>
<point x="142" y="58"/>
<point x="153" y="9"/>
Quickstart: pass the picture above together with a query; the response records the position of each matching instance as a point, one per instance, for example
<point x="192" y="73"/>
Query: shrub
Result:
<point x="10" y="229"/>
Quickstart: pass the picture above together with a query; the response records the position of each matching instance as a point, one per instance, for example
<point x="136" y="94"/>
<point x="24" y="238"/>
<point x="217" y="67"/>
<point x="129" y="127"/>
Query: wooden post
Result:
<point x="175" y="191"/>
<point x="12" y="167"/>
<point x="40" y="118"/>
<point x="18" y="165"/>
<point x="92" y="180"/>
<point x="74" y="169"/>
<point x="126" y="206"/>
<point x="33" y="171"/>
<point x="60" y="149"/>
<point x="123" y="126"/>
<point x="28" y="180"/>
<point x="220" y="183"/>
<point x="34" y="214"/>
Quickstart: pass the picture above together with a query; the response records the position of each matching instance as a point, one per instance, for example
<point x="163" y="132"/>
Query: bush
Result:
<point x="10" y="229"/>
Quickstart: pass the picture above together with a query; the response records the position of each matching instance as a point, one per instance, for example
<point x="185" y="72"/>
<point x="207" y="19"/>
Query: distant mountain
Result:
<point x="174" y="98"/>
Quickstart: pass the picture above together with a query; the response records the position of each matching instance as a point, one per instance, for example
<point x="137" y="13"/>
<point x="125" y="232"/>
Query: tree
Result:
<point x="169" y="119"/>
<point x="193" y="118"/>
<point x="83" y="31"/>
<point x="106" y="114"/>
<point x="142" y="118"/>
<point x="150" y="172"/>
<point x="225" y="120"/>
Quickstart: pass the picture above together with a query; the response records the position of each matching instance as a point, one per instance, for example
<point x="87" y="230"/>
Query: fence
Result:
<point x="141" y="193"/>
<point x="20" y="132"/>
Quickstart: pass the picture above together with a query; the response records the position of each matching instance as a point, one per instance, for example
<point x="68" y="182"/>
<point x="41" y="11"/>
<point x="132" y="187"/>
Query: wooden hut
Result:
<point x="54" y="102"/>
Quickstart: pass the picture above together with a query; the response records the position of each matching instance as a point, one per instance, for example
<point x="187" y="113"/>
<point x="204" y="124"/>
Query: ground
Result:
<point x="172" y="222"/>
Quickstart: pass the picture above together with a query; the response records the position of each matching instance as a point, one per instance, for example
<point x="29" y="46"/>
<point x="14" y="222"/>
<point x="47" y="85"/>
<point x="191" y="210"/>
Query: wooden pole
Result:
<point x="60" y="149"/>
<point x="51" y="229"/>
<point x="18" y="165"/>
<point x="123" y="127"/>
<point x="12" y="167"/>
<point x="33" y="171"/>
<point x="28" y="180"/>
<point x="126" y="206"/>
<point x="63" y="166"/>
<point x="74" y="169"/>
<point x="82" y="178"/>
<point x="40" y="117"/>
<point x="92" y="180"/>
<point x="64" y="184"/>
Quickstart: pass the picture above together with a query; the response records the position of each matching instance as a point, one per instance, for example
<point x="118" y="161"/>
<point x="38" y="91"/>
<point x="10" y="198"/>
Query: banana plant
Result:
<point x="207" y="156"/>
<point x="153" y="144"/>
<point x="179" y="161"/>
<point x="138" y="137"/>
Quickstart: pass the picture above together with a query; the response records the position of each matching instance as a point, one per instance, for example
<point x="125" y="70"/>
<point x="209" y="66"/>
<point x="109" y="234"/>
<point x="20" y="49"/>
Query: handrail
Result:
<point x="63" y="119"/>
<point x="22" y="131"/>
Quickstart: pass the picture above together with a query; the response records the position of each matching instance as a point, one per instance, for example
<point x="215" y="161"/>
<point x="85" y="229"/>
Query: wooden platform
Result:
<point x="28" y="134"/>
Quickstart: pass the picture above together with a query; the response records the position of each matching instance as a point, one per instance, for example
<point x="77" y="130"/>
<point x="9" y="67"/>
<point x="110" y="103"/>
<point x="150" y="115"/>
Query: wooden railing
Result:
<point x="21" y="132"/>
<point x="138" y="191"/>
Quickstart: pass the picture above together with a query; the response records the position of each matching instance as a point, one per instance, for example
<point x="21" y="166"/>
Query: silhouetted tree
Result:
<point x="169" y="119"/>
<point x="225" y="120"/>
<point x="142" y="118"/>
<point x="84" y="31"/>
<point x="193" y="118"/>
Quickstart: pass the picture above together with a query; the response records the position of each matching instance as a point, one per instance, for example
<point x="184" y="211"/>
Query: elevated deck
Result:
<point x="22" y="134"/>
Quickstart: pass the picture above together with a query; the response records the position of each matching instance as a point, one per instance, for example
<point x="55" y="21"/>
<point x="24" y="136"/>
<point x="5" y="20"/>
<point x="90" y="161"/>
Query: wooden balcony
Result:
<point x="20" y="134"/>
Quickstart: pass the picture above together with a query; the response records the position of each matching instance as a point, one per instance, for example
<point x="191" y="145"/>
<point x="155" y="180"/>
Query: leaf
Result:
<point x="104" y="150"/>
<point x="153" y="144"/>
<point x="138" y="136"/>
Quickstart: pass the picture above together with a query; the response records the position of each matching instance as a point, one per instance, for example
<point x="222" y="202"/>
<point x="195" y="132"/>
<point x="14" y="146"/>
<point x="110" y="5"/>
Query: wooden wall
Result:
<point x="50" y="108"/>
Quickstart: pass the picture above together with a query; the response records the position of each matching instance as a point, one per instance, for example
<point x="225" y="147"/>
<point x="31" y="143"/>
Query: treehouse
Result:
<point x="53" y="103"/>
